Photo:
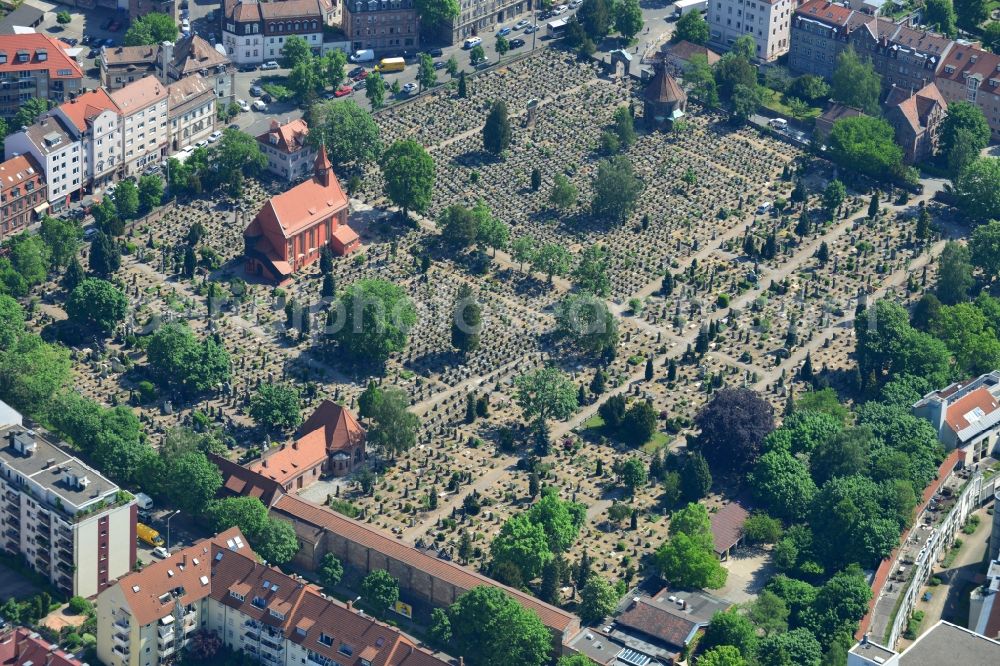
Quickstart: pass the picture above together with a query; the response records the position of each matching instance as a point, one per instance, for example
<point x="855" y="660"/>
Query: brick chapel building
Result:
<point x="293" y="227"/>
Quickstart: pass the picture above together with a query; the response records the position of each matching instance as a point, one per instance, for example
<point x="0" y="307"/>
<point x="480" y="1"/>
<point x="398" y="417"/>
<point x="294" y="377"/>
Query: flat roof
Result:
<point x="48" y="466"/>
<point x="946" y="643"/>
<point x="872" y="651"/>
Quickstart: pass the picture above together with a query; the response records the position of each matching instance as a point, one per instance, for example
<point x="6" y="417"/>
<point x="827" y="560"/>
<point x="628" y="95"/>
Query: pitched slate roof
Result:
<point x="650" y="619"/>
<point x="727" y="526"/>
<point x="662" y="88"/>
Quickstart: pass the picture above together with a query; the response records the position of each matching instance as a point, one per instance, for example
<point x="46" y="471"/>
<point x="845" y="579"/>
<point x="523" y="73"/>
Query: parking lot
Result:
<point x="14" y="585"/>
<point x="182" y="533"/>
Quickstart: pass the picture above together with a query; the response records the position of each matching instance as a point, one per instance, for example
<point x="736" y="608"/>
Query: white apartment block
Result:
<point x="767" y="21"/>
<point x="966" y="416"/>
<point x="217" y="586"/>
<point x="97" y="122"/>
<point x="71" y="524"/>
<point x="143" y="105"/>
<point x="56" y="147"/>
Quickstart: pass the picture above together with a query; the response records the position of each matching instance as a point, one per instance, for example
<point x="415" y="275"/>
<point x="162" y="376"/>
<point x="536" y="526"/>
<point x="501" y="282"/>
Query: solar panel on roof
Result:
<point x="634" y="657"/>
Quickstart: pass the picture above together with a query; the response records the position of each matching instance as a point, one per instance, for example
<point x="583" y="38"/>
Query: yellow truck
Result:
<point x="148" y="535"/>
<point x="391" y="65"/>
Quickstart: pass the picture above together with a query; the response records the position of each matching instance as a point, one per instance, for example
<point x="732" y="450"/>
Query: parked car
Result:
<point x="93" y="53"/>
<point x="256" y="91"/>
<point x="573" y="4"/>
<point x="270" y="64"/>
<point x="202" y="144"/>
<point x="267" y="99"/>
<point x="503" y="32"/>
<point x="516" y="43"/>
<point x="214" y="136"/>
<point x="234" y="126"/>
<point x="185" y="24"/>
<point x="72" y="41"/>
<point x="360" y="85"/>
<point x="435" y="53"/>
<point x="109" y="42"/>
<point x="530" y="29"/>
<point x="409" y="88"/>
<point x="484" y="63"/>
<point x="259" y="105"/>
<point x="161" y="552"/>
<point x="358" y="73"/>
<point x="343" y="91"/>
<point x="89" y="233"/>
<point x="522" y="24"/>
<point x="243" y="104"/>
<point x="472" y="42"/>
<point x="354" y="72"/>
<point x="106" y="23"/>
<point x="440" y="64"/>
<point x="247" y="68"/>
<point x="86" y="39"/>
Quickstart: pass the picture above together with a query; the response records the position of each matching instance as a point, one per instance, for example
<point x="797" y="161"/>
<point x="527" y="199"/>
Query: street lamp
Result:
<point x="169" y="518"/>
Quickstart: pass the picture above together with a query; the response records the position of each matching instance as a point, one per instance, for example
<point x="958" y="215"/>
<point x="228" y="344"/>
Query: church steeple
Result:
<point x="322" y="167"/>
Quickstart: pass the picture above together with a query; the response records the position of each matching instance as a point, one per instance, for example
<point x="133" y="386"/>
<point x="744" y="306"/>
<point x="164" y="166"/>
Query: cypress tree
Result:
<point x="649" y="369"/>
<point x="470" y="408"/>
<point x="462" y="86"/>
<point x="329" y="286"/>
<point x="873" y="205"/>
<point x="598" y="382"/>
<point x="672" y="370"/>
<point x="73" y="276"/>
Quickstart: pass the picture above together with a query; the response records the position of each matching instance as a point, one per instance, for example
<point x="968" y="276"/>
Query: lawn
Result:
<point x="594" y="428"/>
<point x="772" y="101"/>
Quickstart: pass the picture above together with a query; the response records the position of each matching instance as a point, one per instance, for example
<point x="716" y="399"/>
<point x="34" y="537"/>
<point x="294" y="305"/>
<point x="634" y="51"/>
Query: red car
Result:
<point x="360" y="76"/>
<point x="343" y="91"/>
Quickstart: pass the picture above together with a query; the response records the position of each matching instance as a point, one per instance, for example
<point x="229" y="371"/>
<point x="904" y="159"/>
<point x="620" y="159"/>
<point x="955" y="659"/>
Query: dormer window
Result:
<point x="275" y="614"/>
<point x="23" y="56"/>
<point x="345" y="649"/>
<point x="3" y="57"/>
<point x="42" y="55"/>
<point x="236" y="595"/>
<point x="325" y="640"/>
<point x="259" y="602"/>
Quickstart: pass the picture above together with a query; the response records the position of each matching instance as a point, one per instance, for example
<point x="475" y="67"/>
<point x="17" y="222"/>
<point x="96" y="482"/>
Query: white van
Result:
<point x="144" y="501"/>
<point x="778" y="124"/>
<point x="472" y="42"/>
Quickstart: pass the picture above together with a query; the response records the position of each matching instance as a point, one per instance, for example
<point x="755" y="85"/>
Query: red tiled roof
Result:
<point x="825" y="11"/>
<point x="82" y="109"/>
<point x="292" y="460"/>
<point x="20" y="646"/>
<point x="339" y="428"/>
<point x="962" y="60"/>
<point x="302" y="206"/>
<point x="56" y="60"/>
<point x="727" y="526"/>
<point x="238" y="480"/>
<point x="462" y="578"/>
<point x="345" y="235"/>
<point x="289" y="137"/>
<point x="916" y="108"/>
<point x="685" y="49"/>
<point x="17" y="170"/>
<point x="139" y="94"/>
<point x="964" y="406"/>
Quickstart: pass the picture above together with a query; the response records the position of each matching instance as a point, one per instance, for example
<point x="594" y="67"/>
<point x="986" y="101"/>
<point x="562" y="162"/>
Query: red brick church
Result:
<point x="291" y="229"/>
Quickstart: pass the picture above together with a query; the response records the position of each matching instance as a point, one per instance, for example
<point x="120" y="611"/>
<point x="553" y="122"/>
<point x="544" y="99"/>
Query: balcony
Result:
<point x="166" y="634"/>
<point x="121" y="640"/>
<point x="120" y="650"/>
<point x="121" y="625"/>
<point x="164" y="653"/>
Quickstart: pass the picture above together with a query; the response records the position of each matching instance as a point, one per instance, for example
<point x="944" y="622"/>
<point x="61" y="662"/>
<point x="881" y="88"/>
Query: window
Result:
<point x="346" y="649"/>
<point x="325" y="640"/>
<point x="232" y="593"/>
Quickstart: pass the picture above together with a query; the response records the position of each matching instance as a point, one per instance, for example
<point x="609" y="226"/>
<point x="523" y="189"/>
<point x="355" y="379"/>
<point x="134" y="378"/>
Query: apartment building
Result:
<point x="35" y="65"/>
<point x="22" y="194"/>
<point x="767" y="21"/>
<point x="253" y="32"/>
<point x="61" y="515"/>
<point x="57" y="149"/>
<point x="122" y="65"/>
<point x="217" y="586"/>
<point x="478" y="17"/>
<point x="96" y="121"/>
<point x="966" y="416"/>
<point x="388" y="26"/>
<point x="968" y="74"/>
<point x="20" y="646"/>
<point x="818" y="34"/>
<point x="288" y="155"/>
<point x="191" y="115"/>
<point x="144" y="114"/>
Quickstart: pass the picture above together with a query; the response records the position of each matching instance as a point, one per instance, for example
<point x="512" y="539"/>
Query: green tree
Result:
<point x="29" y="111"/>
<point x="843" y="454"/>
<point x="628" y="18"/>
<point x="236" y="155"/>
<point x="522" y="543"/>
<point x="782" y="485"/>
<point x="731" y="627"/>
<point x="380" y="590"/>
<point x="150" y="192"/>
<point x="687" y="558"/>
<point x="295" y="51"/>
<point x="276" y="542"/>
<point x="633" y="474"/>
<point x="375" y="90"/>
<point x="809" y="88"/>
<point x="575" y="660"/>
<point x="11" y="322"/>
<point x="616" y="190"/>
<point x="492" y="232"/>
<point x="151" y="28"/>
<point x="105" y="255"/>
<point x="867" y="145"/>
<point x="696" y="480"/>
<point x="798" y="646"/>
<point x="954" y="273"/>
<point x="551" y="259"/>
<point x="62" y="236"/>
<point x="699" y="75"/>
<point x="839" y="605"/>
<point x="368" y="400"/>
<point x="733" y="70"/>
<point x="489" y="628"/>
<point x="247" y="513"/>
<point x="394" y="428"/>
<point x="97" y="305"/>
<point x="639" y="425"/>
<point x="64" y="17"/>
<point x="194" y="481"/>
<point x="459" y="226"/>
<point x="31" y="372"/>
<point x="597" y="600"/>
<point x="304" y="79"/>
<point x="182" y="364"/>
<point x="523" y="250"/>
<point x="477" y="55"/>
<point x="467" y="322"/>
<point x="434" y="13"/>
<point x="833" y="196"/>
<point x="591" y="273"/>
<point x="426" y="75"/>
<point x="624" y="126"/>
<point x="546" y="393"/>
<point x="496" y="131"/>
<point x="376" y="319"/>
<point x="502" y="46"/>
<point x="940" y="14"/>
<point x="855" y="82"/>
<point x="409" y="175"/>
<point x="276" y="406"/>
<point x="563" y="194"/>
<point x="971" y="14"/>
<point x="349" y="132"/>
<point x="769" y="612"/>
<point x="332" y="68"/>
<point x="595" y="18"/>
<point x="561" y="520"/>
<point x="330" y="571"/>
<point x="126" y="199"/>
<point x="744" y="102"/>
<point x="586" y="322"/>
<point x="462" y="85"/>
<point x="963" y="129"/>
<point x="978" y="189"/>
<point x="723" y="655"/>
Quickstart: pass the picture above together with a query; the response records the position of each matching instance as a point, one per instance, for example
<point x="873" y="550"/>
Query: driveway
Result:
<point x="14" y="585"/>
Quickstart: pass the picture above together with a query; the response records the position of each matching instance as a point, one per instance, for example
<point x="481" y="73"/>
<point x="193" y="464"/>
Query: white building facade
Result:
<point x="98" y="123"/>
<point x="144" y="109"/>
<point x="59" y="152"/>
<point x="767" y="21"/>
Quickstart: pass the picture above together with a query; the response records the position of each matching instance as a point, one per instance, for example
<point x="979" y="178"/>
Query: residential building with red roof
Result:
<point x="970" y="74"/>
<point x="122" y="65"/>
<point x="289" y="157"/>
<point x="96" y="119"/>
<point x="767" y="21"/>
<point x="191" y="113"/>
<point x="23" y="647"/>
<point x="677" y="55"/>
<point x="916" y="119"/>
<point x="219" y="587"/>
<point x="254" y="32"/>
<point x="966" y="416"/>
<point x="56" y="145"/>
<point x="35" y="65"/>
<point x="22" y="191"/>
<point x="292" y="228"/>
